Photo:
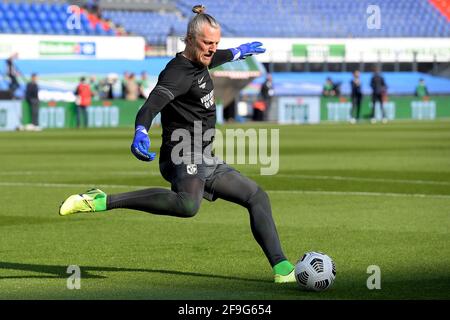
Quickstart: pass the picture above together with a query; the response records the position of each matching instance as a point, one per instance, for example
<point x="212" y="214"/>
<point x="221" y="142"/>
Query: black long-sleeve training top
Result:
<point x="183" y="94"/>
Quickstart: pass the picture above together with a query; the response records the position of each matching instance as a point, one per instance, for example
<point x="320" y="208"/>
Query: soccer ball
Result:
<point x="315" y="271"/>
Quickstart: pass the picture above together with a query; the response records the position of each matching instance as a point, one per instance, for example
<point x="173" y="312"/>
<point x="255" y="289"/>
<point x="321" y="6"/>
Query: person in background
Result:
<point x="132" y="88"/>
<point x="229" y="111"/>
<point x="379" y="90"/>
<point x="356" y="97"/>
<point x="120" y="30"/>
<point x="143" y="86"/>
<point x="110" y="82"/>
<point x="421" y="89"/>
<point x="266" y="95"/>
<point x="328" y="88"/>
<point x="124" y="84"/>
<point x="83" y="100"/>
<point x="259" y="109"/>
<point x="102" y="89"/>
<point x="32" y="99"/>
<point x="94" y="85"/>
<point x="93" y="6"/>
<point x="12" y="73"/>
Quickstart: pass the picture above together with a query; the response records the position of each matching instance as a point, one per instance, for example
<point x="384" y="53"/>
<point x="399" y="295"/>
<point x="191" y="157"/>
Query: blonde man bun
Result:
<point x="199" y="9"/>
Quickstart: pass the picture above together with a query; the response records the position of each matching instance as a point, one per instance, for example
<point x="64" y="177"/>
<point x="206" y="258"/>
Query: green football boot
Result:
<point x="284" y="272"/>
<point x="285" y="279"/>
<point x="93" y="200"/>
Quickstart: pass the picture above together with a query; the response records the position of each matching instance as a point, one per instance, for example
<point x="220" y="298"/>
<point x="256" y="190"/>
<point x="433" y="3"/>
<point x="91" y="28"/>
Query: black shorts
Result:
<point x="208" y="173"/>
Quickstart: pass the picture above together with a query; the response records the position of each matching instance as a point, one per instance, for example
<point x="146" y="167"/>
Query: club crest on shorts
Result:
<point x="191" y="169"/>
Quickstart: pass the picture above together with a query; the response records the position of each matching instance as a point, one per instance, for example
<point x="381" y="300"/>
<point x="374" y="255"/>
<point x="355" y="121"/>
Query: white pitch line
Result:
<point x="305" y="192"/>
<point x="69" y="172"/>
<point x="365" y="179"/>
<point x="70" y="185"/>
<point x="364" y="194"/>
<point x="311" y="177"/>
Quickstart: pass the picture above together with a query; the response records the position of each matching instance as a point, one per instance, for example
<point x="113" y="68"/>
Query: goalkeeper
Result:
<point x="184" y="96"/>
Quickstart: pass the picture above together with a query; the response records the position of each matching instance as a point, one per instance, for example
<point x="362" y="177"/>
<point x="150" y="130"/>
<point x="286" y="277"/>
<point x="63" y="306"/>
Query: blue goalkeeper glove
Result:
<point x="141" y="145"/>
<point x="247" y="49"/>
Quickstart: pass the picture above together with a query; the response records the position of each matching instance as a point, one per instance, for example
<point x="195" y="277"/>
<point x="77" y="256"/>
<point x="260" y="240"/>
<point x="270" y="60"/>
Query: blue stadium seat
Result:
<point x="13" y="6"/>
<point x="4" y="26"/>
<point x="35" y="7"/>
<point x="15" y="26"/>
<point x="10" y="15"/>
<point x="30" y="15"/>
<point x="4" y="6"/>
<point x="47" y="27"/>
<point x="58" y="27"/>
<point x="52" y="16"/>
<point x="36" y="26"/>
<point x="89" y="30"/>
<point x="20" y="15"/>
<point x="62" y="16"/>
<point x="42" y="16"/>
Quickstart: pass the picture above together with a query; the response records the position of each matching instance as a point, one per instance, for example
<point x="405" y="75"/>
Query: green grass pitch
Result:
<point x="364" y="194"/>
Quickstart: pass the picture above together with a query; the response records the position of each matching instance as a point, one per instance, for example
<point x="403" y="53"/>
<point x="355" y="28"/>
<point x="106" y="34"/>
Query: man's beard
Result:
<point x="197" y="54"/>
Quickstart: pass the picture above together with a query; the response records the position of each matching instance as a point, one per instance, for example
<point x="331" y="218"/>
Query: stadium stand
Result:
<point x="304" y="19"/>
<point x="48" y="18"/>
<point x="331" y="19"/>
<point x="443" y="6"/>
<point x="153" y="26"/>
<point x="156" y="19"/>
<point x="144" y="5"/>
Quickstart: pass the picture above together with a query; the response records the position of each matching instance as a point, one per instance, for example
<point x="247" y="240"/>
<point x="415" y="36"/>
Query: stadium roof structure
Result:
<point x="232" y="77"/>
